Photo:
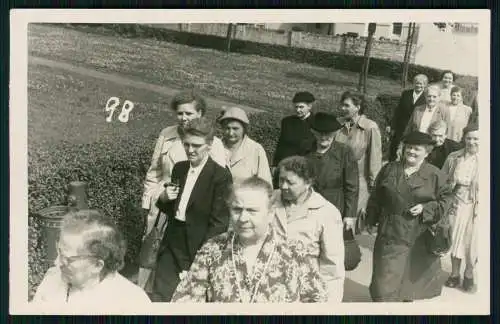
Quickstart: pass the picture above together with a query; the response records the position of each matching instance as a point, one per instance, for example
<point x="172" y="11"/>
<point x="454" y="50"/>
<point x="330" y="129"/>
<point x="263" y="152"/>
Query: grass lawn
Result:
<point x="257" y="81"/>
<point x="69" y="107"/>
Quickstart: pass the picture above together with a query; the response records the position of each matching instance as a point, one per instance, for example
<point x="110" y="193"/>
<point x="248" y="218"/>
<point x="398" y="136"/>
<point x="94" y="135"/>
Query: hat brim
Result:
<point x="222" y="119"/>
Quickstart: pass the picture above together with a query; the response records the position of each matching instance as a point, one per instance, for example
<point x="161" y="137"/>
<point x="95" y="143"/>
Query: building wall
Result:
<point x="390" y="50"/>
<point x="453" y="48"/>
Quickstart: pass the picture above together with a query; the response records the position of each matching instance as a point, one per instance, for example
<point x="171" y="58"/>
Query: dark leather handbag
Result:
<point x="352" y="256"/>
<point x="438" y="238"/>
<point x="148" y="253"/>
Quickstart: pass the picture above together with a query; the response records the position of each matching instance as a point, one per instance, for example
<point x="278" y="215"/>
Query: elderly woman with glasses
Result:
<point x="250" y="264"/>
<point x="91" y="251"/>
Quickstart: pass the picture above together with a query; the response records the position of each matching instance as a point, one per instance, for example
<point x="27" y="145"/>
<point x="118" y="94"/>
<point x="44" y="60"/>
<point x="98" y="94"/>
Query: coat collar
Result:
<point x="242" y="151"/>
<point x="171" y="132"/>
<point x="315" y="201"/>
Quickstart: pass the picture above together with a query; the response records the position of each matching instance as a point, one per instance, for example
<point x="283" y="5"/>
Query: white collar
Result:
<point x="199" y="166"/>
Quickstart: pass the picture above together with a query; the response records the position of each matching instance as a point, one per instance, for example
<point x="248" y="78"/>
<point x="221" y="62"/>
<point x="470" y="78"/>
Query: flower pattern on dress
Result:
<point x="282" y="273"/>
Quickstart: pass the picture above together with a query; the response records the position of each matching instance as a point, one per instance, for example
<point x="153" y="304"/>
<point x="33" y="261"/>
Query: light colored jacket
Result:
<point x="320" y="231"/>
<point x="168" y="151"/>
<point x="365" y="140"/>
<point x="416" y="117"/>
<point x="249" y="160"/>
<point x="114" y="288"/>
<point x="459" y="122"/>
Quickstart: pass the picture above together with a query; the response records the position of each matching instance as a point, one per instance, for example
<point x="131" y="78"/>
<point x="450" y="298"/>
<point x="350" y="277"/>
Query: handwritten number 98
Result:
<point x="111" y="106"/>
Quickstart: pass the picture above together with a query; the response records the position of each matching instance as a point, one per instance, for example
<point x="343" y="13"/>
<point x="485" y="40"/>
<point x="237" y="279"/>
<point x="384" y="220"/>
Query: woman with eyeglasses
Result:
<point x="91" y="251"/>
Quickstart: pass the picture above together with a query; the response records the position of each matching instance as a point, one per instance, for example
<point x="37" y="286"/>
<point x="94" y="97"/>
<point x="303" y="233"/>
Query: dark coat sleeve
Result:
<point x="278" y="153"/>
<point x="168" y="206"/>
<point x="434" y="210"/>
<point x="395" y="123"/>
<point x="219" y="215"/>
<point x="351" y="184"/>
<point x="374" y="206"/>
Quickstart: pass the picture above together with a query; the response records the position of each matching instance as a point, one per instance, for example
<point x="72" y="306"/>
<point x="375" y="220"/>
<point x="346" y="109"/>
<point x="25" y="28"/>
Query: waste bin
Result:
<point x="51" y="218"/>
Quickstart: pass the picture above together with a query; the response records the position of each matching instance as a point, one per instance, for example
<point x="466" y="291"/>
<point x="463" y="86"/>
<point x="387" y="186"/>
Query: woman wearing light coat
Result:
<point x="244" y="156"/>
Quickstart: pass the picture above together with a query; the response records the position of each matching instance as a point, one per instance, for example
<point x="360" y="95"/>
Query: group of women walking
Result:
<point x="238" y="229"/>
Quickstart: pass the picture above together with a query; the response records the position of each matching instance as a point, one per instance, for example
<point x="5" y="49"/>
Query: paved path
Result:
<point x="127" y="81"/>
<point x="358" y="280"/>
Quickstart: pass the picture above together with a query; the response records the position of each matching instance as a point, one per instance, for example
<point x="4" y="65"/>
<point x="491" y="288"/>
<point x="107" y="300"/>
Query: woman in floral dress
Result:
<point x="463" y="170"/>
<point x="250" y="264"/>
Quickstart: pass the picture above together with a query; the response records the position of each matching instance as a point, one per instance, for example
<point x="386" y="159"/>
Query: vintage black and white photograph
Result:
<point x="329" y="159"/>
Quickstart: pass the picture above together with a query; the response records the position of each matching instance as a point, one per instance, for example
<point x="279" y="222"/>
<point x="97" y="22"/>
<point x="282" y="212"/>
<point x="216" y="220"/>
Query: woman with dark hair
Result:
<point x="90" y="254"/>
<point x="463" y="170"/>
<point x="457" y="115"/>
<point x="410" y="197"/>
<point x="304" y="216"/>
<point x="245" y="157"/>
<point x="362" y="135"/>
<point x="446" y="84"/>
<point x="188" y="106"/>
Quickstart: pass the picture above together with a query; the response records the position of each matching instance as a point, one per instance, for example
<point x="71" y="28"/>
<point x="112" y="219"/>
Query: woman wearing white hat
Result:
<point x="244" y="156"/>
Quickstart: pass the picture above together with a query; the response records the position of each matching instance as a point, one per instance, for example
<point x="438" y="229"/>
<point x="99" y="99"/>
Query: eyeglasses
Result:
<point x="71" y="259"/>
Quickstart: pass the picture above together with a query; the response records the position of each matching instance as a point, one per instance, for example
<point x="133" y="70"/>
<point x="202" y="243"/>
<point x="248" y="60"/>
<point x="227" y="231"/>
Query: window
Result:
<point x="318" y="26"/>
<point x="397" y="28"/>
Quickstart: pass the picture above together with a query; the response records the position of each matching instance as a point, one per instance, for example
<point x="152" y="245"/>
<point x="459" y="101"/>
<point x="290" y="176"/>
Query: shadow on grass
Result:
<point x="320" y="80"/>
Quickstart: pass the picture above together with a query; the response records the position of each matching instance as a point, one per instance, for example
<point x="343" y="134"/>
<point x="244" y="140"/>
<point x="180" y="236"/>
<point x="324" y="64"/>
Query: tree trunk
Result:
<point x="330" y="29"/>
<point x="228" y="37"/>
<point x="366" y="63"/>
<point x="404" y="76"/>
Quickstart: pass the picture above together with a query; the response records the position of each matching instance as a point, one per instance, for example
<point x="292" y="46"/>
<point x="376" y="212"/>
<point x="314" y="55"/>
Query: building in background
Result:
<point x="393" y="31"/>
<point x="440" y="45"/>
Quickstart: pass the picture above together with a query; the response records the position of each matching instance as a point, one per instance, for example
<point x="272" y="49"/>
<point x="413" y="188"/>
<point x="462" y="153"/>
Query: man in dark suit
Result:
<point x="295" y="136"/>
<point x="443" y="146"/>
<point x="409" y="100"/>
<point x="195" y="205"/>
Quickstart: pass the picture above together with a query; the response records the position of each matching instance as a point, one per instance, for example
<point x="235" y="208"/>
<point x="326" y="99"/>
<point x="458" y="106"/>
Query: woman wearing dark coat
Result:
<point x="409" y="196"/>
<point x="295" y="134"/>
<point x="337" y="174"/>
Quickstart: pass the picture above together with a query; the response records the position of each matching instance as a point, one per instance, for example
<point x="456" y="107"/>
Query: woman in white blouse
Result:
<point x="244" y="156"/>
<point x="90" y="254"/>
<point x="462" y="168"/>
<point x="457" y="115"/>
<point x="169" y="150"/>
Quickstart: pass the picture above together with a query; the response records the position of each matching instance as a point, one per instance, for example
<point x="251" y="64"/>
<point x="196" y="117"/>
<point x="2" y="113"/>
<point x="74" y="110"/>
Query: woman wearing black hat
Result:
<point x="409" y="196"/>
<point x="295" y="136"/>
<point x="463" y="168"/>
<point x="336" y="168"/>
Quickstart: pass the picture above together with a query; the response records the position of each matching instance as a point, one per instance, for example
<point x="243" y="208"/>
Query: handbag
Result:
<point x="352" y="256"/>
<point x="148" y="254"/>
<point x="438" y="239"/>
